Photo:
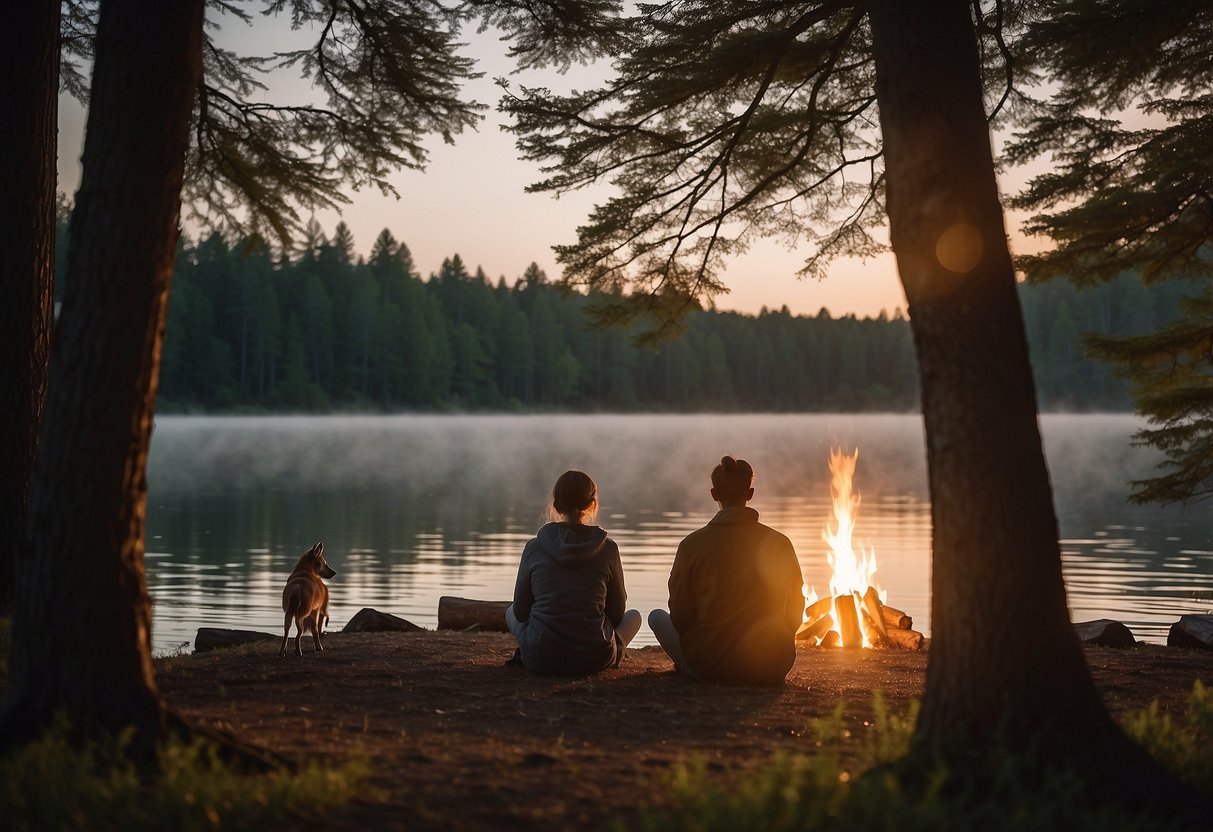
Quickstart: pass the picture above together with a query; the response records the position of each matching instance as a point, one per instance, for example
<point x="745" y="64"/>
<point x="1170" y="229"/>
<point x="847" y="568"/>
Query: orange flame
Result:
<point x="851" y="572"/>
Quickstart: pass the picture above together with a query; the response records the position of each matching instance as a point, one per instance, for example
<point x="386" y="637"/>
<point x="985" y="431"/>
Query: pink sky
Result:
<point x="471" y="201"/>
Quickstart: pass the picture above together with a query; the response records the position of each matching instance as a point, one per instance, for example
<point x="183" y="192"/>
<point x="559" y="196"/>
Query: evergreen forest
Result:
<point x="324" y="330"/>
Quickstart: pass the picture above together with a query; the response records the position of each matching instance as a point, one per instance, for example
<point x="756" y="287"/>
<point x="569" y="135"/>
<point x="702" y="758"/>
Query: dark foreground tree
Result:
<point x="1127" y="129"/>
<point x="41" y="53"/>
<point x="81" y="632"/>
<point x="727" y="121"/>
<point x="390" y="73"/>
<point x="29" y="65"/>
<point x="995" y="535"/>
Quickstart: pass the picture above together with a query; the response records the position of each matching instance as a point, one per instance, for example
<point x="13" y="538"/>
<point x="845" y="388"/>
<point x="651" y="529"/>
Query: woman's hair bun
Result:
<point x="574" y="494"/>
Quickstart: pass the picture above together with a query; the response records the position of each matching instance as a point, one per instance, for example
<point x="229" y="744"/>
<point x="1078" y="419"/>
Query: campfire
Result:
<point x="854" y="614"/>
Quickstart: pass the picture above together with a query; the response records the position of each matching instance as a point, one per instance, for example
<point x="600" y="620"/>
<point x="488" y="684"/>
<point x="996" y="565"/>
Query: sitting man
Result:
<point x="735" y="592"/>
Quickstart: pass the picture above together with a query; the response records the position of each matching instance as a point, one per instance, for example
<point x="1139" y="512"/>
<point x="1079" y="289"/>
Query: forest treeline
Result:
<point x="323" y="329"/>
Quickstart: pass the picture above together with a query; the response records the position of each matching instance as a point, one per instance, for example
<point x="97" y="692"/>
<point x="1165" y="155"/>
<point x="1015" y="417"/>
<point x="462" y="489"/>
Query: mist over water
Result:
<point x="659" y="460"/>
<point x="414" y="507"/>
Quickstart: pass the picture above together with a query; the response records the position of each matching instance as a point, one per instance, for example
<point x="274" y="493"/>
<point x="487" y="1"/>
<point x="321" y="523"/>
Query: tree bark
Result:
<point x="1019" y="681"/>
<point x="82" y="616"/>
<point x="29" y="65"/>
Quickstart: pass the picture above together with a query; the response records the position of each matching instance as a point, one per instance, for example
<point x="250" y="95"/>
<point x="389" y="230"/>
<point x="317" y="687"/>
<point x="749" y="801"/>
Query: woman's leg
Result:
<point x="511" y="622"/>
<point x="629" y="626"/>
<point x="663" y="627"/>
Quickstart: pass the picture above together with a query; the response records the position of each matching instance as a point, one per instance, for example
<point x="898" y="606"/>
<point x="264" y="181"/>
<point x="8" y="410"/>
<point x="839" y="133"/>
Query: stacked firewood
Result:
<point x="858" y="616"/>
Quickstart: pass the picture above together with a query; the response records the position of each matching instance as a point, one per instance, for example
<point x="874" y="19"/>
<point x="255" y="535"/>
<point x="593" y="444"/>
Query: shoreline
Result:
<point x="457" y="740"/>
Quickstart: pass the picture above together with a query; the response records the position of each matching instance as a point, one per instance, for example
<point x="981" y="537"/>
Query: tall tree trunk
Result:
<point x="82" y="618"/>
<point x="1005" y="666"/>
<point x="29" y="67"/>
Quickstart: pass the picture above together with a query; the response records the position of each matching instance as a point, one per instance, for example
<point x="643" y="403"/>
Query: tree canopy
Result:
<point x="725" y="120"/>
<point x="387" y="72"/>
<point x="723" y="123"/>
<point x="813" y="121"/>
<point x="1126" y="125"/>
<point x="385" y="75"/>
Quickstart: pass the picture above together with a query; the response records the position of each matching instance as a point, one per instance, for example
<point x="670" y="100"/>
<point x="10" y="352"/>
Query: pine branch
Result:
<point x="389" y="74"/>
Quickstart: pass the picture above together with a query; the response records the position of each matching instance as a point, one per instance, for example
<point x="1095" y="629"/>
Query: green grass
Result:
<point x="1186" y="748"/>
<point x="49" y="785"/>
<point x="821" y="792"/>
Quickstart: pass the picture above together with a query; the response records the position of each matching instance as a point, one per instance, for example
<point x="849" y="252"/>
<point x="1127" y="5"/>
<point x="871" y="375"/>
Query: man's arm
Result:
<point x="683" y="610"/>
<point x="793" y="603"/>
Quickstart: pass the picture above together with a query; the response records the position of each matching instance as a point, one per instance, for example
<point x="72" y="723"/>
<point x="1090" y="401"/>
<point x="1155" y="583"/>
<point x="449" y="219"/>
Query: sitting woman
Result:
<point x="568" y="612"/>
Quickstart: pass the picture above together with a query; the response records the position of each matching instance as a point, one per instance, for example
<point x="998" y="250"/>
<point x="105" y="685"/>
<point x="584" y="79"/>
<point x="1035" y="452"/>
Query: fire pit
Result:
<point x="854" y="614"/>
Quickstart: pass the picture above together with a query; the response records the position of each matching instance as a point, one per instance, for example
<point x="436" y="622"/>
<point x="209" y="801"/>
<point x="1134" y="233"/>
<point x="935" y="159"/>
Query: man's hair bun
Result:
<point x="732" y="478"/>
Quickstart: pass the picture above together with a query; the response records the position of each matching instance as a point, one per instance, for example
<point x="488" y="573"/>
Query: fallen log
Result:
<point x="848" y="621"/>
<point x="870" y="603"/>
<point x="368" y="620"/>
<point x="815" y="629"/>
<point x="213" y="638"/>
<point x="895" y="619"/>
<point x="1104" y="632"/>
<point x="1192" y="631"/>
<point x="461" y="613"/>
<point x="831" y="639"/>
<point x="904" y="639"/>
<point x="818" y="608"/>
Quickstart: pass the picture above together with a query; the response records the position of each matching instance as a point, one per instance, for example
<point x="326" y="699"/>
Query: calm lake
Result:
<point x="414" y="507"/>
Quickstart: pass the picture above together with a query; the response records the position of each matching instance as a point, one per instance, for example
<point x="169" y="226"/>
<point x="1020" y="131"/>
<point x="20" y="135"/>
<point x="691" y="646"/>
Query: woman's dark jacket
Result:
<point x="570" y="597"/>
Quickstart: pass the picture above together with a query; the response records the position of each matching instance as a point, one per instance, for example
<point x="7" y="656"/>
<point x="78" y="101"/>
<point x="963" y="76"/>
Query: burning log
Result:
<point x="874" y="637"/>
<point x="848" y="621"/>
<point x="817" y="609"/>
<point x="905" y="639"/>
<point x="461" y="613"/>
<point x="831" y="639"/>
<point x="870" y="633"/>
<point x="816" y="629"/>
<point x="895" y="618"/>
<point x="870" y="604"/>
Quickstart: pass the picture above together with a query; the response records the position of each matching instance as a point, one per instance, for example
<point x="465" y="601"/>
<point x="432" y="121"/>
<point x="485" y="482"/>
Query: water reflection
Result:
<point x="414" y="507"/>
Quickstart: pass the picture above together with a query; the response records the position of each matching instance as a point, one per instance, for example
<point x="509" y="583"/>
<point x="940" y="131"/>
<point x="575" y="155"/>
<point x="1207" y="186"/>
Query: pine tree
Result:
<point x="343" y="243"/>
<point x="513" y="351"/>
<point x="726" y="121"/>
<point x="384" y="249"/>
<point x="84" y="572"/>
<point x="389" y="73"/>
<point x="29" y="64"/>
<point x="1173" y="388"/>
<point x="364" y="299"/>
<point x="471" y="382"/>
<point x="1126" y="128"/>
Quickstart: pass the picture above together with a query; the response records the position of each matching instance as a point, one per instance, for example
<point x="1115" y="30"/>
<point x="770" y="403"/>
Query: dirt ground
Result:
<point x="458" y="740"/>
